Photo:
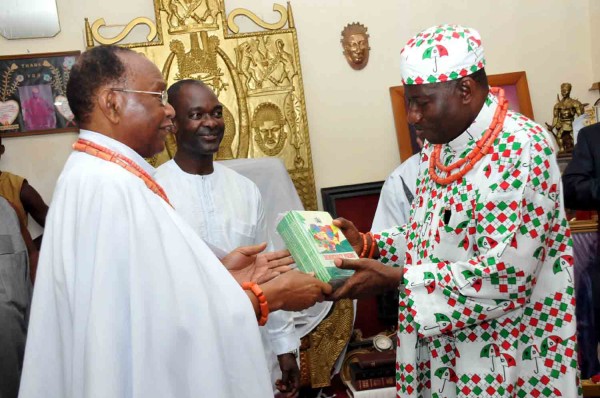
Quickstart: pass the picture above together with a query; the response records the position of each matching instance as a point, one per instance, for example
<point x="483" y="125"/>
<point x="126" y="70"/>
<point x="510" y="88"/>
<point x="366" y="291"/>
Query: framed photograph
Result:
<point x="516" y="90"/>
<point x="514" y="85"/>
<point x="33" y="97"/>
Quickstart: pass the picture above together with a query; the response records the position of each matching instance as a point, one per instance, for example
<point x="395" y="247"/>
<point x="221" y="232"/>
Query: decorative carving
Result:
<point x="185" y="16"/>
<point x="303" y="179"/>
<point x="268" y="125"/>
<point x="199" y="63"/>
<point x="270" y="26"/>
<point x="293" y="114"/>
<point x="253" y="74"/>
<point x="355" y="41"/>
<point x="321" y="348"/>
<point x="99" y="23"/>
<point x="265" y="66"/>
<point x="225" y="151"/>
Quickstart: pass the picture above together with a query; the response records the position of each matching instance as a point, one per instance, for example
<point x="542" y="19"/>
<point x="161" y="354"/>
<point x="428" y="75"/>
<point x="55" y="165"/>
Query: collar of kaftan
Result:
<point x="193" y="177"/>
<point x="478" y="127"/>
<point x="117" y="146"/>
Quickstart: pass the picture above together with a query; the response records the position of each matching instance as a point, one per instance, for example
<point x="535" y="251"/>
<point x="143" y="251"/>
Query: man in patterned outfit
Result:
<point x="487" y="301"/>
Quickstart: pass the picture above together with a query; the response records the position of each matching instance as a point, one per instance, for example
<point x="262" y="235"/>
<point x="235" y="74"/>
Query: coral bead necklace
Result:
<point x="101" y="152"/>
<point x="482" y="147"/>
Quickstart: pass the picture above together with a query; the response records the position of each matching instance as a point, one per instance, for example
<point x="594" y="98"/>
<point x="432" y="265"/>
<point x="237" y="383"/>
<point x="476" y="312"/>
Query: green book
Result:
<point x="314" y="243"/>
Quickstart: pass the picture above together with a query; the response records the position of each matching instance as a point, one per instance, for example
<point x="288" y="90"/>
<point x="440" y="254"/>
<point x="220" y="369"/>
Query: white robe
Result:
<point x="129" y="301"/>
<point x="225" y="209"/>
<point x="394" y="206"/>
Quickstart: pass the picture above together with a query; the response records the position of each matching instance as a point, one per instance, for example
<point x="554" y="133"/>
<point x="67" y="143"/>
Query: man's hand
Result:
<point x="289" y="384"/>
<point x="295" y="291"/>
<point x="351" y="233"/>
<point x="370" y="278"/>
<point x="248" y="264"/>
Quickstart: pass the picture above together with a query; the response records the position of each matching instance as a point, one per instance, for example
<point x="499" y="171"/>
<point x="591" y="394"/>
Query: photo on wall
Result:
<point x="33" y="94"/>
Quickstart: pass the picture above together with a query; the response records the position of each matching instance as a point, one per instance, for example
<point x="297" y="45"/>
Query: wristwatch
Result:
<point x="382" y="342"/>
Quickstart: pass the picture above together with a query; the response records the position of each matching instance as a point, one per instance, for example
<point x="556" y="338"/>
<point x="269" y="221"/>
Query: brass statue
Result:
<point x="355" y="41"/>
<point x="565" y="111"/>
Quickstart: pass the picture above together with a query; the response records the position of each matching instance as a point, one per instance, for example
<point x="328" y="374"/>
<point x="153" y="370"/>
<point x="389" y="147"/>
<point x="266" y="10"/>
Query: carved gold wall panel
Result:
<point x="256" y="76"/>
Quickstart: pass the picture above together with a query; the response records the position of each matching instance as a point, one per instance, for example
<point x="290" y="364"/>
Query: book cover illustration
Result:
<point x="327" y="238"/>
<point x="315" y="242"/>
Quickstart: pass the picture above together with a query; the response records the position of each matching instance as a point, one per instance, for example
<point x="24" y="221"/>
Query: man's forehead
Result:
<point x="139" y="67"/>
<point x="421" y="90"/>
<point x="429" y="89"/>
<point x="198" y="92"/>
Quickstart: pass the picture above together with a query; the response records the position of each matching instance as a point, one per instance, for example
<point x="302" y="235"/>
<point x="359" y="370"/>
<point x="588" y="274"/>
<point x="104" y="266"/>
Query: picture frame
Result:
<point x="33" y="98"/>
<point x="583" y="226"/>
<point x="356" y="202"/>
<point x="516" y="91"/>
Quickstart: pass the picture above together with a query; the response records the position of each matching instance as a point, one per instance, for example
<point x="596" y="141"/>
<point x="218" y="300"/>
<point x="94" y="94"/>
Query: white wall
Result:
<point x="595" y="35"/>
<point x="349" y="112"/>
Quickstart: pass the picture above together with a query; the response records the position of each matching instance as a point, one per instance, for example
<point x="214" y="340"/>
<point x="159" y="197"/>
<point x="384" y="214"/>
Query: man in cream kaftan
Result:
<point x="225" y="209"/>
<point x="145" y="297"/>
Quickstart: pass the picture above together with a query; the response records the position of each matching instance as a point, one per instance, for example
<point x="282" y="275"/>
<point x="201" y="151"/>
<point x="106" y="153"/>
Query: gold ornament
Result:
<point x="195" y="39"/>
<point x="355" y="41"/>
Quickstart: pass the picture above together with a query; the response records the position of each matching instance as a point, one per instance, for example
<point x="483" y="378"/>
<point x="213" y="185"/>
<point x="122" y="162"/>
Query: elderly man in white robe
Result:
<point x="223" y="207"/>
<point x="129" y="301"/>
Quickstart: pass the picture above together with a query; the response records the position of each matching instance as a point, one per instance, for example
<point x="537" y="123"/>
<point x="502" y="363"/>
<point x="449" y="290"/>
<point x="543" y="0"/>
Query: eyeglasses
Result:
<point x="164" y="97"/>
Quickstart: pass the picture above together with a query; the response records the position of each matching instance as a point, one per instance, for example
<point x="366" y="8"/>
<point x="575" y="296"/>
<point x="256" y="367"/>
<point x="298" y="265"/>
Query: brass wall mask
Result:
<point x="355" y="41"/>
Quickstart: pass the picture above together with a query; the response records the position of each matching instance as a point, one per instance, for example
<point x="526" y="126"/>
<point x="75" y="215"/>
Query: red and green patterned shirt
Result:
<point x="488" y="305"/>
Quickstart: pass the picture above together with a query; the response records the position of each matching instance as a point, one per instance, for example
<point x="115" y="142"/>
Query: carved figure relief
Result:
<point x="265" y="65"/>
<point x="355" y="41"/>
<point x="184" y="15"/>
<point x="225" y="152"/>
<point x="293" y="115"/>
<point x="256" y="76"/>
<point x="268" y="125"/>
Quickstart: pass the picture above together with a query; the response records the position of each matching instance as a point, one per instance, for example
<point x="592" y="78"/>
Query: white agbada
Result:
<point x="394" y="205"/>
<point x="225" y="209"/>
<point x="129" y="301"/>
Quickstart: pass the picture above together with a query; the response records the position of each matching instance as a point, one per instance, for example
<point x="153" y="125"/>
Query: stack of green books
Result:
<point x="314" y="243"/>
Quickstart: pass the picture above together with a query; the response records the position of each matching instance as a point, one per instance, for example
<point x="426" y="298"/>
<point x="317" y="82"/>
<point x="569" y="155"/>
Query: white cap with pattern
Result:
<point x="441" y="53"/>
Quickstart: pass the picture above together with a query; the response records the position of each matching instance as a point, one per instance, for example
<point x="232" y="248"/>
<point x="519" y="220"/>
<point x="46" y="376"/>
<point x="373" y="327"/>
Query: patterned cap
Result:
<point x="441" y="53"/>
